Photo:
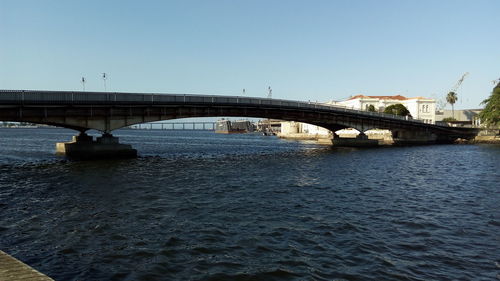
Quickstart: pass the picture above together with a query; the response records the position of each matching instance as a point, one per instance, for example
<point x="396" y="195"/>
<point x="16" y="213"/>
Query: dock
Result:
<point x="11" y="269"/>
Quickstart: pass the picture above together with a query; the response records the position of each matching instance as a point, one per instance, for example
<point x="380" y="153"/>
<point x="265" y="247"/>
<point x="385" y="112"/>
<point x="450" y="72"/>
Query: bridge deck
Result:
<point x="12" y="269"/>
<point x="108" y="111"/>
<point x="34" y="97"/>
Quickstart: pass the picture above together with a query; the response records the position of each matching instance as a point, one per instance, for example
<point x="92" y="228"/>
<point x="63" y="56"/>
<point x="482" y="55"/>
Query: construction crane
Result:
<point x="459" y="82"/>
<point x="451" y="97"/>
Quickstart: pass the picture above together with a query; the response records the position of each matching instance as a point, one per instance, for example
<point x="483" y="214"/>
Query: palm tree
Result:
<point x="452" y="98"/>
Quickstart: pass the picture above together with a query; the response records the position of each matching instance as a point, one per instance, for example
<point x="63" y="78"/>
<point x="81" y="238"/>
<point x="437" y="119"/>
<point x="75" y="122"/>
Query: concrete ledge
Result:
<point x="354" y="142"/>
<point x="12" y="269"/>
<point x="300" y="136"/>
<point x="106" y="147"/>
<point x="95" y="150"/>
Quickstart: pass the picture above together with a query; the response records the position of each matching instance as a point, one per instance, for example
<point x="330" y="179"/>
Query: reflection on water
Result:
<point x="202" y="206"/>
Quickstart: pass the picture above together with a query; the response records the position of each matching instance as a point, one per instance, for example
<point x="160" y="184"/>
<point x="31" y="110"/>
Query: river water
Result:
<point x="203" y="206"/>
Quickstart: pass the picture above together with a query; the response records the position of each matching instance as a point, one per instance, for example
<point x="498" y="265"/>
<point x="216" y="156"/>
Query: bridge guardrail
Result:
<point x="78" y="97"/>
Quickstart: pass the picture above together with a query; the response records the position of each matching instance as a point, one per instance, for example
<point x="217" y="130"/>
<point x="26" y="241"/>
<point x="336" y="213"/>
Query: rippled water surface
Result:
<point x="202" y="206"/>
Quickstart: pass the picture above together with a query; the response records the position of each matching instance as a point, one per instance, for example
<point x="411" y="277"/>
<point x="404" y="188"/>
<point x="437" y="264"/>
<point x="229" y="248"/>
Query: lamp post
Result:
<point x="104" y="77"/>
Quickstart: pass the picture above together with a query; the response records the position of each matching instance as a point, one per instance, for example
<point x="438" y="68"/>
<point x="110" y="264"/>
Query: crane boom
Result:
<point x="459" y="82"/>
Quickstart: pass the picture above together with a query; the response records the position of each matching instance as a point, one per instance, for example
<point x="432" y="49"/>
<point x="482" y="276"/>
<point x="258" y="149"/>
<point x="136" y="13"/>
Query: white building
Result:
<point x="420" y="108"/>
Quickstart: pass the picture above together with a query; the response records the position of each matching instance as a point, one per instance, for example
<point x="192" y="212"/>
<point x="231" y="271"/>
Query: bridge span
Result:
<point x="108" y="111"/>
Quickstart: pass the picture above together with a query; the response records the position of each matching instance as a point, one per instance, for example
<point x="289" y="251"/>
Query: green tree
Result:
<point x="452" y="98"/>
<point x="448" y="119"/>
<point x="490" y="115"/>
<point x="371" y="108"/>
<point x="397" y="109"/>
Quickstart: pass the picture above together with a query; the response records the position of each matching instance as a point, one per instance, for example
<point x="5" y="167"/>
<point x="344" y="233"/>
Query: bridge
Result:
<point x="108" y="111"/>
<point x="190" y="126"/>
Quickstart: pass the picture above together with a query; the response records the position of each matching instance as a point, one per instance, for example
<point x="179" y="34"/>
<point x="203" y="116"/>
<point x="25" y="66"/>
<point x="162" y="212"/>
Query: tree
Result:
<point x="397" y="109"/>
<point x="371" y="108"/>
<point x="452" y="98"/>
<point x="449" y="119"/>
<point x="490" y="115"/>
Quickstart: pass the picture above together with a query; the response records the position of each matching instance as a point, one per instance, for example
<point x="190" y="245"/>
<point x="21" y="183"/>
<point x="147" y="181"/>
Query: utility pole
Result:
<point x="104" y="77"/>
<point x="83" y="83"/>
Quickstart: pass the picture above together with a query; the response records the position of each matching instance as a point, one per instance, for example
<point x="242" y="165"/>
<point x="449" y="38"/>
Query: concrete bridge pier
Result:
<point x="407" y="137"/>
<point x="361" y="140"/>
<point x="84" y="147"/>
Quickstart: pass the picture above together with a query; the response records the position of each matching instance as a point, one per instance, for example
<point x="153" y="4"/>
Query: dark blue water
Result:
<point x="201" y="206"/>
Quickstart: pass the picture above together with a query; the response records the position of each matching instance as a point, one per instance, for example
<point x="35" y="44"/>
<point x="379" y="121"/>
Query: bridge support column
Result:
<point x="407" y="137"/>
<point x="360" y="140"/>
<point x="105" y="147"/>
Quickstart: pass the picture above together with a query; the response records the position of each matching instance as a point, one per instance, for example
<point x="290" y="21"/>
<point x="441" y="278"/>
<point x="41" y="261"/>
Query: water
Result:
<point x="201" y="206"/>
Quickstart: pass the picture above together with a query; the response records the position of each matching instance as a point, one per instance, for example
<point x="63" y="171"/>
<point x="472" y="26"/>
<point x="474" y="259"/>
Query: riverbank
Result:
<point x="486" y="140"/>
<point x="384" y="139"/>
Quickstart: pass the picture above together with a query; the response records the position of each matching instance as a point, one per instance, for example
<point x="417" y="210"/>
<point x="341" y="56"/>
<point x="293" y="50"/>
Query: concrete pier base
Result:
<point x="406" y="137"/>
<point x="361" y="140"/>
<point x="105" y="147"/>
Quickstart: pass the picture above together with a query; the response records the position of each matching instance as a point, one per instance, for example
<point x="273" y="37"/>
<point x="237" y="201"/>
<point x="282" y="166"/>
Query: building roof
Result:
<point x="396" y="97"/>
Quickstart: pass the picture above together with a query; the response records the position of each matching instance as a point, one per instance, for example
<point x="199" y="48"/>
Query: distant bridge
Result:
<point x="190" y="126"/>
<point x="107" y="111"/>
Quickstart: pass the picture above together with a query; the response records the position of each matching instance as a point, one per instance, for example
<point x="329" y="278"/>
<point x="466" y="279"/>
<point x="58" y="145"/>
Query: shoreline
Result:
<point x="326" y="141"/>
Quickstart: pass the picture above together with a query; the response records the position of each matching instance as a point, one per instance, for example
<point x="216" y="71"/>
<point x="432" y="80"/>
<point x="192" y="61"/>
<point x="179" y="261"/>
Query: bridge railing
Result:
<point x="78" y="97"/>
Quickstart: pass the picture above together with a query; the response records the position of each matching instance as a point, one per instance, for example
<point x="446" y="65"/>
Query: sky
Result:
<point x="304" y="50"/>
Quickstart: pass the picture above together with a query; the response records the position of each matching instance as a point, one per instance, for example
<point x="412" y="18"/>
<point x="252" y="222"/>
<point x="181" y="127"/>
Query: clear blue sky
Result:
<point x="305" y="50"/>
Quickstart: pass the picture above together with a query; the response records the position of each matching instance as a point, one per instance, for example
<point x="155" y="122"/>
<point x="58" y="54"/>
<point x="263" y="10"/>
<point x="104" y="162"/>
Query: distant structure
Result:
<point x="224" y="126"/>
<point x="464" y="117"/>
<point x="83" y="83"/>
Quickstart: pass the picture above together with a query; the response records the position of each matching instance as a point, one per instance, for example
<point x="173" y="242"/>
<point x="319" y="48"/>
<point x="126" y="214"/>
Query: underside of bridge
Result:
<point x="107" y="118"/>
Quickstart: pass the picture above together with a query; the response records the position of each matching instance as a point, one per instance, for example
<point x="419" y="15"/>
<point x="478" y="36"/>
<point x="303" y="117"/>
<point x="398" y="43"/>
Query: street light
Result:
<point x="104" y="77"/>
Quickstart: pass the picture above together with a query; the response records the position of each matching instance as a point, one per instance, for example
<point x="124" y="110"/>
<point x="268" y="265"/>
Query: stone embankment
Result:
<point x="12" y="269"/>
<point x="486" y="139"/>
<point x="383" y="138"/>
